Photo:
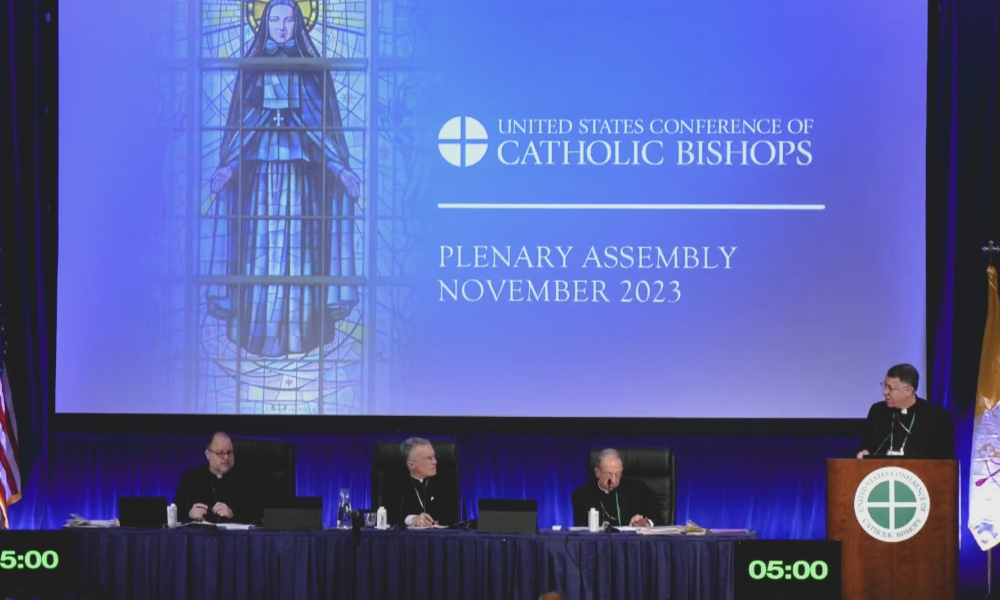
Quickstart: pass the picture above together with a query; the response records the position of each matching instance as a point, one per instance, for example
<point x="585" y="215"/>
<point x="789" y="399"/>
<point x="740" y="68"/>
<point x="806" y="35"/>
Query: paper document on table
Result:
<point x="662" y="530"/>
<point x="691" y="528"/>
<point x="234" y="526"/>
<point x="78" y="521"/>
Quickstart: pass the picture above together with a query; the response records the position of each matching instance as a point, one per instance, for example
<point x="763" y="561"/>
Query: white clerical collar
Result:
<point x="417" y="478"/>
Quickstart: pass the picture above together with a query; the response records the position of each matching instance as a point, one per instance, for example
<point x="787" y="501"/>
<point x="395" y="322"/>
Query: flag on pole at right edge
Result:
<point x="984" y="475"/>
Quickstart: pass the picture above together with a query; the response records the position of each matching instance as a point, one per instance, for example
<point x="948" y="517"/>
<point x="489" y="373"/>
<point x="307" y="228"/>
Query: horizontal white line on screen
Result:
<point x="544" y="206"/>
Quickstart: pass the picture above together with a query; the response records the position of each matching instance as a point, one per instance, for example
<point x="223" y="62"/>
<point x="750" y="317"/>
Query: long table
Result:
<point x="186" y="563"/>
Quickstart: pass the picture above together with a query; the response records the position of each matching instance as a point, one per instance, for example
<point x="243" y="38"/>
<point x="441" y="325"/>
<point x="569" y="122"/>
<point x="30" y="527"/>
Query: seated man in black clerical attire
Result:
<point x="904" y="425"/>
<point x="218" y="492"/>
<point x="619" y="500"/>
<point x="419" y="497"/>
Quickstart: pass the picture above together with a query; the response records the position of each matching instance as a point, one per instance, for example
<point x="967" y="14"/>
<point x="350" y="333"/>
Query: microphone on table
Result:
<point x="400" y="517"/>
<point x="356" y="520"/>
<point x="608" y="528"/>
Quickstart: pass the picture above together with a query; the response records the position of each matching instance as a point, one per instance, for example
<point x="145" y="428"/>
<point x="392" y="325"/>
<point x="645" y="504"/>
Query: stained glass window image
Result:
<point x="281" y="303"/>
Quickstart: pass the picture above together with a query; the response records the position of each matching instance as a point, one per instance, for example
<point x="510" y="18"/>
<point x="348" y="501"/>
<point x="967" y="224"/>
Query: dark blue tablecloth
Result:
<point x="186" y="563"/>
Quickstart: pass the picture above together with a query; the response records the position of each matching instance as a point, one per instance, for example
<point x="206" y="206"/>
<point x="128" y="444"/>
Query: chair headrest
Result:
<point x="640" y="462"/>
<point x="264" y="450"/>
<point x="387" y="455"/>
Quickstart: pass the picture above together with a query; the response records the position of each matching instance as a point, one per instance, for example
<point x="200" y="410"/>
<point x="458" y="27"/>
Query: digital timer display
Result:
<point x="35" y="562"/>
<point x="787" y="570"/>
<point x="32" y="559"/>
<point x="800" y="569"/>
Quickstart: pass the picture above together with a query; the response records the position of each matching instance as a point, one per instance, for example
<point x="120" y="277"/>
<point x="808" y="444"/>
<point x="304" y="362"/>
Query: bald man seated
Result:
<point x="620" y="501"/>
<point x="218" y="492"/>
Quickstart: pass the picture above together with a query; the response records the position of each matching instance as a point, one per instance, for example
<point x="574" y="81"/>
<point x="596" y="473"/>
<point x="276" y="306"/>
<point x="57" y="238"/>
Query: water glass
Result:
<point x="344" y="509"/>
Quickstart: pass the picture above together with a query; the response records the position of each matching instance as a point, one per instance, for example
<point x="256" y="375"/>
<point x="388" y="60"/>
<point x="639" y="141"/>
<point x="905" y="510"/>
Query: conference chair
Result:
<point x="387" y="460"/>
<point x="655" y="466"/>
<point x="272" y="462"/>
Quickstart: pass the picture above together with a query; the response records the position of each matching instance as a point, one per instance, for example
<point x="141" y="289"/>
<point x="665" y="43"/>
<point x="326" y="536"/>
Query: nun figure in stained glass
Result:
<point x="286" y="197"/>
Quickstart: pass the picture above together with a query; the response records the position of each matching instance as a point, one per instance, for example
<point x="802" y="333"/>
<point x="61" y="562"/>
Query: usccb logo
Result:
<point x="463" y="141"/>
<point x="892" y="504"/>
<point x="633" y="142"/>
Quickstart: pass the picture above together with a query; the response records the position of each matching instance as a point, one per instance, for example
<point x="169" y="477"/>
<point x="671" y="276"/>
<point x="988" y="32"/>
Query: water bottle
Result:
<point x="593" y="520"/>
<point x="381" y="519"/>
<point x="172" y="515"/>
<point x="344" y="509"/>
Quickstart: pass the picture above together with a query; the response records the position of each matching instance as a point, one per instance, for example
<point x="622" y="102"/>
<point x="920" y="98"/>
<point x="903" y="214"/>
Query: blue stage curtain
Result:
<point x="27" y="242"/>
<point x="775" y="485"/>
<point x="962" y="215"/>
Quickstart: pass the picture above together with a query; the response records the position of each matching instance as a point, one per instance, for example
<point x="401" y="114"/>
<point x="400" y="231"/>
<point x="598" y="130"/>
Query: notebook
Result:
<point x="508" y="516"/>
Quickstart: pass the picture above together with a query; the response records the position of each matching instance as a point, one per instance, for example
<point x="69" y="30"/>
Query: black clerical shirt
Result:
<point x="436" y="496"/>
<point x="631" y="497"/>
<point x="235" y="489"/>
<point x="925" y="431"/>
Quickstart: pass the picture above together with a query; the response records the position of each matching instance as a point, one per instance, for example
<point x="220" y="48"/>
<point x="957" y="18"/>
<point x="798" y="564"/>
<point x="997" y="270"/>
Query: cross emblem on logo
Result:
<point x="891" y="504"/>
<point x="462" y="141"/>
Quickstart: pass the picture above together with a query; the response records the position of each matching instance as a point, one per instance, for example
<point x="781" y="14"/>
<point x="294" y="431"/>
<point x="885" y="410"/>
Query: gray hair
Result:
<point x="607" y="452"/>
<point x="406" y="448"/>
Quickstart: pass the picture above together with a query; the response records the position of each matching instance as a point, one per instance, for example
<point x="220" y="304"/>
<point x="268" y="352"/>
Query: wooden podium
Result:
<point x="923" y="564"/>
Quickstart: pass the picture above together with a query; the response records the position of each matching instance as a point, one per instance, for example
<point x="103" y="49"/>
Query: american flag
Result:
<point x="10" y="472"/>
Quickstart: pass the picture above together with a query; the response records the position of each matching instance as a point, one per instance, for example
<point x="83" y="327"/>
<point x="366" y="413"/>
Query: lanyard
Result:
<point x="892" y="431"/>
<point x="617" y="505"/>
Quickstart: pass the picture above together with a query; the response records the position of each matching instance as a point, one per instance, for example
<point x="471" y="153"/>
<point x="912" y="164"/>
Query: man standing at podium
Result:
<point x="905" y="425"/>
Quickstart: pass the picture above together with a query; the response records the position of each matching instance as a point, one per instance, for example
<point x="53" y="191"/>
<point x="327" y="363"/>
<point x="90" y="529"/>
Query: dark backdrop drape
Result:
<point x="774" y="483"/>
<point x="769" y="483"/>
<point x="28" y="237"/>
<point x="962" y="215"/>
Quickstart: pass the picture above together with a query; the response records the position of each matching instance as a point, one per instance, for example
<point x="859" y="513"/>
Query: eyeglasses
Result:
<point x="886" y="387"/>
<point x="225" y="454"/>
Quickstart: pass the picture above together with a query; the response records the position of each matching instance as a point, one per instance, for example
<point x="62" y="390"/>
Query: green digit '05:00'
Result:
<point x="777" y="569"/>
<point x="32" y="559"/>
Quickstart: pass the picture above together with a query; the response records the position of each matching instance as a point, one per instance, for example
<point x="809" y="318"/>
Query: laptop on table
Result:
<point x="142" y="511"/>
<point x="294" y="513"/>
<point x="508" y="516"/>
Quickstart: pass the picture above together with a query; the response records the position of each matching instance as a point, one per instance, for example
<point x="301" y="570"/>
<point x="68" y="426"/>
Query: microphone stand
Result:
<point x="989" y="573"/>
<point x="357" y="519"/>
<point x="608" y="528"/>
